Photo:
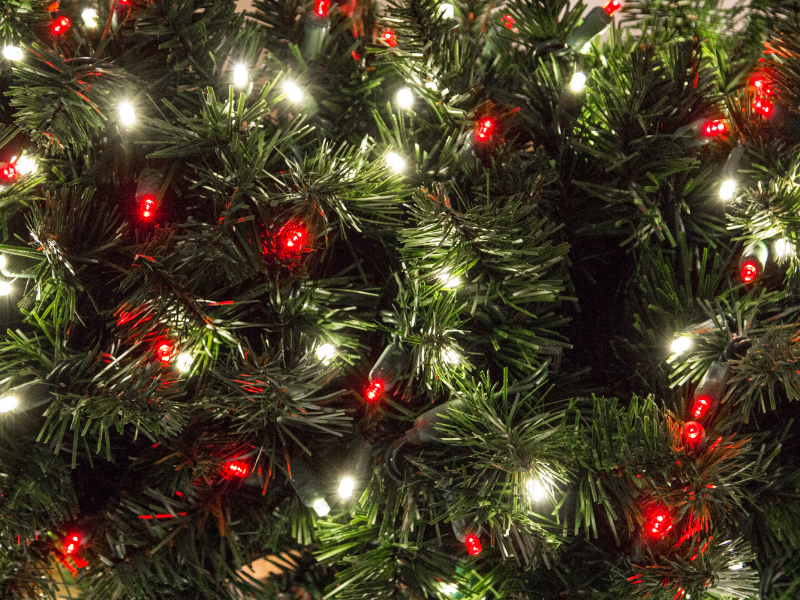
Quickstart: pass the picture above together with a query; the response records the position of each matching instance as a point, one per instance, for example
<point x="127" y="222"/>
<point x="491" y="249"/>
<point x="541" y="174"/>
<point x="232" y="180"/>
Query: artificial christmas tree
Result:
<point x="426" y="300"/>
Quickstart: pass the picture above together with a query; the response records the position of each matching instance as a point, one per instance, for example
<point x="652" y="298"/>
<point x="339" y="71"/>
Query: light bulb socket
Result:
<point x="595" y="22"/>
<point x="389" y="366"/>
<point x="757" y="254"/>
<point x="315" y="30"/>
<point x="427" y="426"/>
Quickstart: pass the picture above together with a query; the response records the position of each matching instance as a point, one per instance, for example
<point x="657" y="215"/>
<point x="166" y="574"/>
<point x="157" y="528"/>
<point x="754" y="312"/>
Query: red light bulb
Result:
<point x="72" y="543"/>
<point x="237" y="468"/>
<point x="701" y="406"/>
<point x="694" y="432"/>
<point x="10" y="172"/>
<point x="164" y="352"/>
<point x="612" y="7"/>
<point x="389" y="38"/>
<point x="762" y="106"/>
<point x="485" y="128"/>
<point x="761" y="85"/>
<point x="374" y="390"/>
<point x="714" y="128"/>
<point x="321" y="7"/>
<point x="749" y="271"/>
<point x="508" y="21"/>
<point x="291" y="239"/>
<point x="659" y="522"/>
<point x="148" y="206"/>
<point x="60" y="25"/>
<point x="473" y="544"/>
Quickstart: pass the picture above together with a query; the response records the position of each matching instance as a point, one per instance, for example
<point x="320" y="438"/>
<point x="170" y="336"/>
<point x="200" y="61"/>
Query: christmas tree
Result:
<point x="426" y="300"/>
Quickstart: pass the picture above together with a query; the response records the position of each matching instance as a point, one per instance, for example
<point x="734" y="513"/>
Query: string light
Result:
<point x="374" y="390"/>
<point x="184" y="362"/>
<point x="237" y="468"/>
<point x="10" y="171"/>
<point x="659" y="522"/>
<point x="389" y="38"/>
<point x="405" y="98"/>
<point x="485" y="128"/>
<point x="8" y="403"/>
<point x="749" y="271"/>
<point x="321" y="507"/>
<point x="5" y="288"/>
<point x="321" y="7"/>
<point x="126" y="113"/>
<point x="612" y="7"/>
<point x="451" y="356"/>
<point x="449" y="589"/>
<point x="293" y="93"/>
<point x="292" y="239"/>
<point x="148" y="206"/>
<point x="12" y="52"/>
<point x="578" y="82"/>
<point x="395" y="162"/>
<point x="325" y="353"/>
<point x="783" y="248"/>
<point x="681" y="344"/>
<point x="508" y="21"/>
<point x="473" y="544"/>
<point x="537" y="488"/>
<point x="762" y="106"/>
<point x="701" y="406"/>
<point x="727" y="189"/>
<point x="346" y="487"/>
<point x="447" y="10"/>
<point x="714" y="128"/>
<point x="240" y="76"/>
<point x="89" y="16"/>
<point x="448" y="280"/>
<point x="72" y="543"/>
<point x="164" y="352"/>
<point x="26" y="164"/>
<point x="60" y="25"/>
<point x="694" y="432"/>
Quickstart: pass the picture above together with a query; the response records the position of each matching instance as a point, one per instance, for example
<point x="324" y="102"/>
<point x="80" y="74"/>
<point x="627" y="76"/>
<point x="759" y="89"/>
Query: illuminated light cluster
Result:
<point x="126" y="113"/>
<point x="727" y="189"/>
<point x="325" y="353"/>
<point x="293" y="93"/>
<point x="451" y="356"/>
<point x="346" y="487"/>
<point x="237" y="468"/>
<point x="395" y="162"/>
<point x="763" y="106"/>
<point x="447" y="10"/>
<point x="783" y="248"/>
<point x="694" y="432"/>
<point x="60" y="25"/>
<point x="240" y="76"/>
<point x="473" y="544"/>
<point x="89" y="16"/>
<point x="292" y="239"/>
<point x="321" y="7"/>
<point x="714" y="128"/>
<point x="184" y="362"/>
<point x="72" y="543"/>
<point x="578" y="82"/>
<point x="8" y="403"/>
<point x="321" y="507"/>
<point x="537" y="488"/>
<point x="681" y="344"/>
<point x="374" y="390"/>
<point x="389" y="38"/>
<point x="148" y="206"/>
<point x="749" y="271"/>
<point x="701" y="406"/>
<point x="12" y="53"/>
<point x="612" y="7"/>
<point x="10" y="171"/>
<point x="659" y="522"/>
<point x="405" y="98"/>
<point x="485" y="129"/>
<point x="508" y="21"/>
<point x="164" y="352"/>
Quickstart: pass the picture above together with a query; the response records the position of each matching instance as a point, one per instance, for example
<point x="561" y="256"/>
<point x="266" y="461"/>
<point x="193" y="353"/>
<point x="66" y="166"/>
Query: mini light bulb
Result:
<point x="736" y="566"/>
<point x="26" y="165"/>
<point x="12" y="52"/>
<point x="537" y="488"/>
<point x="405" y="98"/>
<point x="5" y="288"/>
<point x="89" y="16"/>
<point x="126" y="113"/>
<point x="8" y="403"/>
<point x="451" y="356"/>
<point x="395" y="162"/>
<point x="447" y="10"/>
<point x="681" y="344"/>
<point x="293" y="93"/>
<point x="727" y="189"/>
<point x="449" y="589"/>
<point x="240" y="76"/>
<point x="448" y="280"/>
<point x="325" y="353"/>
<point x="578" y="82"/>
<point x="184" y="362"/>
<point x="346" y="487"/>
<point x="321" y="507"/>
<point x="783" y="248"/>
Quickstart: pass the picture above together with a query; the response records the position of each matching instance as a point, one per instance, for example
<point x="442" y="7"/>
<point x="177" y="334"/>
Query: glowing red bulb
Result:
<point x="60" y="25"/>
<point x="473" y="543"/>
<point x="292" y="239"/>
<point x="164" y="352"/>
<point x="714" y="128"/>
<point x="749" y="271"/>
<point x="321" y="7"/>
<point x="694" y="432"/>
<point x="612" y="7"/>
<point x="148" y="206"/>
<point x="762" y="106"/>
<point x="237" y="468"/>
<point x="72" y="543"/>
<point x="659" y="522"/>
<point x="390" y="38"/>
<point x="761" y="85"/>
<point x="10" y="171"/>
<point x="485" y="128"/>
<point x="374" y="390"/>
<point x="508" y="21"/>
<point x="701" y="406"/>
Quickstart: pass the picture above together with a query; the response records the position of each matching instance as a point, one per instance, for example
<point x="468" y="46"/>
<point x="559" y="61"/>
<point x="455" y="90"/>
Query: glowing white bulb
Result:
<point x="736" y="566"/>
<point x="126" y="113"/>
<point x="681" y="344"/>
<point x="326" y="352"/>
<point x="12" y="52"/>
<point x="783" y="248"/>
<point x="449" y="281"/>
<point x="346" y="487"/>
<point x="451" y="356"/>
<point x="447" y="10"/>
<point x="26" y="164"/>
<point x="405" y="98"/>
<point x="578" y="82"/>
<point x="5" y="288"/>
<point x="293" y="93"/>
<point x="8" y="403"/>
<point x="240" y="76"/>
<point x="395" y="162"/>
<point x="184" y="362"/>
<point x="449" y="589"/>
<point x="727" y="189"/>
<point x="538" y="488"/>
<point x="89" y="16"/>
<point x="321" y="507"/>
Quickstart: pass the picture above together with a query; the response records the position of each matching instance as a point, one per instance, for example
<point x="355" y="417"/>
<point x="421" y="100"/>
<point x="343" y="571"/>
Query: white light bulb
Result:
<point x="346" y="487"/>
<point x="240" y="76"/>
<point x="8" y="403"/>
<point x="449" y="589"/>
<point x="126" y="113"/>
<point x="578" y="82"/>
<point x="184" y="362"/>
<point x="5" y="288"/>
<point x="321" y="507"/>
<point x="447" y="10"/>
<point x="736" y="566"/>
<point x="293" y="93"/>
<point x="405" y="98"/>
<point x="326" y="352"/>
<point x="538" y="488"/>
<point x="395" y="162"/>
<point x="449" y="281"/>
<point x="26" y="165"/>
<point x="681" y="344"/>
<point x="12" y="52"/>
<point x="89" y="16"/>
<point x="451" y="356"/>
<point x="727" y="189"/>
<point x="783" y="248"/>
